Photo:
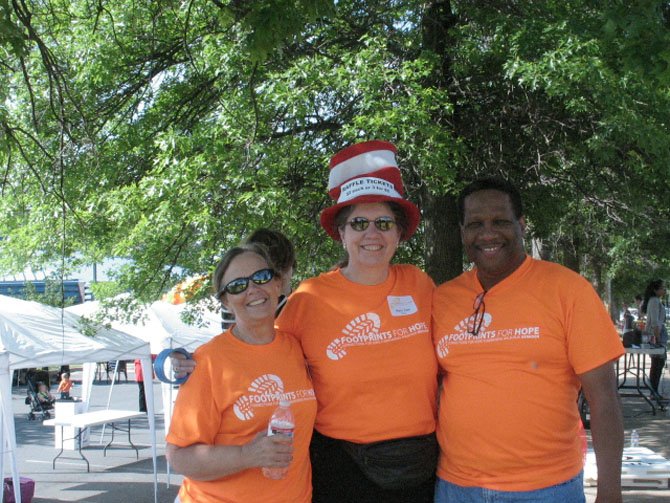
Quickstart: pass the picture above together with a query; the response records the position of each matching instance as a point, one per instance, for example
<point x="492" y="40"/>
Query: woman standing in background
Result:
<point x="654" y="308"/>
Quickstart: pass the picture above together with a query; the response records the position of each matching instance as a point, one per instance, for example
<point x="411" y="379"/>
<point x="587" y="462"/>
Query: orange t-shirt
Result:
<point x="370" y="353"/>
<point x="64" y="386"/>
<point x="508" y="417"/>
<point x="229" y="398"/>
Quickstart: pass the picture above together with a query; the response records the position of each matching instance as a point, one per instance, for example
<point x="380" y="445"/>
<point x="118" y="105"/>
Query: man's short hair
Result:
<point x="279" y="246"/>
<point x="490" y="183"/>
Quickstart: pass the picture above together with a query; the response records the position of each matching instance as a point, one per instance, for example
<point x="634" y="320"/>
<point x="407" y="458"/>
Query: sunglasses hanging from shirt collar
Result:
<point x="477" y="317"/>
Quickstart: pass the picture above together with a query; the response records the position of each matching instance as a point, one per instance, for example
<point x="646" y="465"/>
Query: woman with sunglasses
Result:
<point x="217" y="436"/>
<point x="365" y="332"/>
<point x="282" y="253"/>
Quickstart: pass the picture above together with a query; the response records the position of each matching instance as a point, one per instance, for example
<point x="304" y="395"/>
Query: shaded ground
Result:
<point x="654" y="431"/>
<point x="118" y="476"/>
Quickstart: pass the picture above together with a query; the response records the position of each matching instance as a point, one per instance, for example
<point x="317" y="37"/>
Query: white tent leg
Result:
<point x="4" y="442"/>
<point x="87" y="377"/>
<point x="168" y="395"/>
<point x="7" y="431"/>
<point x="147" y="372"/>
<point x="109" y="396"/>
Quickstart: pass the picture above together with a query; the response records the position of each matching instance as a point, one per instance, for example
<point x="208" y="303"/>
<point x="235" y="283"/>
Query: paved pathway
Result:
<point x="654" y="431"/>
<point x="121" y="477"/>
<point x="118" y="476"/>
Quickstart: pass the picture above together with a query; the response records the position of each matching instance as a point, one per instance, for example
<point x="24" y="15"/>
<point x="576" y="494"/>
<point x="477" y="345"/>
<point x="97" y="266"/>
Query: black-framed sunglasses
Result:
<point x="477" y="317"/>
<point x="383" y="224"/>
<point x="238" y="285"/>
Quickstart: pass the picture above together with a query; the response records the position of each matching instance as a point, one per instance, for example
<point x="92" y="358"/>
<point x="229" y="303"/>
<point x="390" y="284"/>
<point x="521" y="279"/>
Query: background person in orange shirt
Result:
<point x="218" y="434"/>
<point x="64" y="386"/>
<point x="139" y="378"/>
<point x="517" y="337"/>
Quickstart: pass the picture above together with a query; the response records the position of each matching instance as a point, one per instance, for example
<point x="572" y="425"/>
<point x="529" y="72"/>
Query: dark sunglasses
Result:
<point x="238" y="285"/>
<point x="477" y="317"/>
<point x="382" y="223"/>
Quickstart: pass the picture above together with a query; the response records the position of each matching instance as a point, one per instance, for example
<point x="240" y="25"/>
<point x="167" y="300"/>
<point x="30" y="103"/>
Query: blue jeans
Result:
<point x="570" y="491"/>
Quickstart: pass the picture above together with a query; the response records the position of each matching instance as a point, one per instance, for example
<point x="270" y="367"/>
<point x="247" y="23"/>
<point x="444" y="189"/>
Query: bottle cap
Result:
<point x="284" y="403"/>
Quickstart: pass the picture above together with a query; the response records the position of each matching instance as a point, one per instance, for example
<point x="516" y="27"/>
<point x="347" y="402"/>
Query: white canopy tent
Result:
<point x="179" y="334"/>
<point x="36" y="335"/>
<point x="145" y="328"/>
<point x="161" y="325"/>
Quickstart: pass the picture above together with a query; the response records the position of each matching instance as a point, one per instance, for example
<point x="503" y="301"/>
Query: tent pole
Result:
<point x="109" y="397"/>
<point x="7" y="430"/>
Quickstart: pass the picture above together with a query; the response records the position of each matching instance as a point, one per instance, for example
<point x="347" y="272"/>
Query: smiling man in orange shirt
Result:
<point x="517" y="337"/>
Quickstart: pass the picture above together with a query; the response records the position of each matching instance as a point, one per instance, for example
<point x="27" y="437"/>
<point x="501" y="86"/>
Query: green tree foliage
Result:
<point x="165" y="131"/>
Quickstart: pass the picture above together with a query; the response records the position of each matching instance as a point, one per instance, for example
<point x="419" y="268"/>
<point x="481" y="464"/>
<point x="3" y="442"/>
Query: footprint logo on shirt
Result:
<point x="364" y="325"/>
<point x="442" y="347"/>
<point x="464" y="324"/>
<point x="267" y="384"/>
<point x="243" y="408"/>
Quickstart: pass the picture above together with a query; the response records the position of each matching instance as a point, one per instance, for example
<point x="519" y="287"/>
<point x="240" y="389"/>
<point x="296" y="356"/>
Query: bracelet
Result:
<point x="159" y="365"/>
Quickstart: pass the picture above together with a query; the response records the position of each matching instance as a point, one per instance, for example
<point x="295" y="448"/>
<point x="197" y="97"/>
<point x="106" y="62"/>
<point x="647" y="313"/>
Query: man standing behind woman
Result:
<point x="365" y="333"/>
<point x="517" y="338"/>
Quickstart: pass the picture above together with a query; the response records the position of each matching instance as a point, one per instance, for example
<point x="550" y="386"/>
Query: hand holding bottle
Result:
<point x="280" y="431"/>
<point x="268" y="451"/>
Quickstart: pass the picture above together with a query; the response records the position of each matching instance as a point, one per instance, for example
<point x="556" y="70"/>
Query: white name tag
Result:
<point x="401" y="305"/>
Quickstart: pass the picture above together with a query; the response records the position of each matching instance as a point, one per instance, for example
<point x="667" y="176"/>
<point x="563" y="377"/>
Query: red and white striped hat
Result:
<point x="366" y="173"/>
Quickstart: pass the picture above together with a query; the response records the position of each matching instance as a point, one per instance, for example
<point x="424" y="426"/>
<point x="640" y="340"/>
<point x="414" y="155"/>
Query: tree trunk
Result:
<point x="539" y="249"/>
<point x="571" y="254"/>
<point x="444" y="251"/>
<point x="599" y="284"/>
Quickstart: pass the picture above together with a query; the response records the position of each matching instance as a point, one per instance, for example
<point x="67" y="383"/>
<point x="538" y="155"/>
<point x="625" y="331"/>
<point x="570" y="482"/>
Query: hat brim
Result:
<point x="411" y="212"/>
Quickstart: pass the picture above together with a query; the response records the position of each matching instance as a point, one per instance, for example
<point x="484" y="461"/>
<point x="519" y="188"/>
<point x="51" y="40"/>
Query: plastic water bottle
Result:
<point x="282" y="422"/>
<point x="634" y="439"/>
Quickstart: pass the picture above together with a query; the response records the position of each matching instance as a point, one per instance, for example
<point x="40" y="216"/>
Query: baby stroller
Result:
<point x="37" y="406"/>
